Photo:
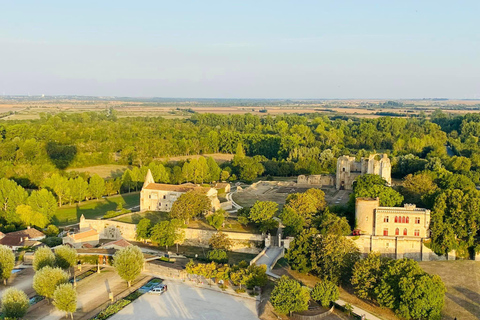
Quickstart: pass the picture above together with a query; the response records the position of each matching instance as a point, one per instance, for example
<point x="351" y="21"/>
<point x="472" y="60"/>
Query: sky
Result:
<point x="241" y="49"/>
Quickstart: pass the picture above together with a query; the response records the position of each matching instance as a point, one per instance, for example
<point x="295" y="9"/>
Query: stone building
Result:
<point x="317" y="180"/>
<point x="348" y="169"/>
<point x="396" y="232"/>
<point x="86" y="236"/>
<point x="160" y="197"/>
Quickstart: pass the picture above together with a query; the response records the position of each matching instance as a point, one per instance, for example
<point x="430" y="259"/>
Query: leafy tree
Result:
<point x="46" y="280"/>
<point x="367" y="274"/>
<point x="289" y="296"/>
<point x="411" y="292"/>
<point x="189" y="205"/>
<point x="43" y="201"/>
<point x="127" y="181"/>
<point x="294" y="223"/>
<point x="220" y="241"/>
<point x="43" y="257"/>
<point x="372" y="186"/>
<point x="143" y="229"/>
<point x="217" y="255"/>
<point x="256" y="276"/>
<point x="65" y="257"/>
<point x="305" y="206"/>
<point x="14" y="303"/>
<point x="333" y="257"/>
<point x="30" y="217"/>
<point x="96" y="186"/>
<point x="7" y="263"/>
<point x="325" y="292"/>
<point x="59" y="185"/>
<point x="65" y="299"/>
<point x="300" y="251"/>
<point x="419" y="188"/>
<point x="11" y="196"/>
<point x="216" y="220"/>
<point x="330" y="223"/>
<point x="166" y="233"/>
<point x="263" y="211"/>
<point x="455" y="217"/>
<point x="129" y="263"/>
<point x="52" y="231"/>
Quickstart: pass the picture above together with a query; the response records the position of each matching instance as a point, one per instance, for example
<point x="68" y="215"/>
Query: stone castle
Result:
<point x="396" y="232"/>
<point x="348" y="170"/>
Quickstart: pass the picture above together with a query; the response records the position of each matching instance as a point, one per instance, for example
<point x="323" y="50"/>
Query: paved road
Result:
<point x="357" y="310"/>
<point x="183" y="301"/>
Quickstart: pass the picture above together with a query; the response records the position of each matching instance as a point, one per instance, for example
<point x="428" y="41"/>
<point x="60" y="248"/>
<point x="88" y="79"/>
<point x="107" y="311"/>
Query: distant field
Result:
<point x="104" y="171"/>
<point x="462" y="279"/>
<point x="94" y="209"/>
<point x="178" y="109"/>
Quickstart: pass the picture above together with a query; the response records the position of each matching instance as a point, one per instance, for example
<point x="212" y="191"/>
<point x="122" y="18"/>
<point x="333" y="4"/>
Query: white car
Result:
<point x="161" y="288"/>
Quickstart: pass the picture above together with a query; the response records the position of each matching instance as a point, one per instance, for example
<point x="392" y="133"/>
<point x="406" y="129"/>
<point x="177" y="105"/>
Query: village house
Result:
<point x="84" y="238"/>
<point x="160" y="197"/>
<point x="29" y="237"/>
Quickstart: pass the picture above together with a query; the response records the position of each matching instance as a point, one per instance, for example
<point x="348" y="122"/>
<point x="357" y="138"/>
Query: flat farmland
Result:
<point x="104" y="171"/>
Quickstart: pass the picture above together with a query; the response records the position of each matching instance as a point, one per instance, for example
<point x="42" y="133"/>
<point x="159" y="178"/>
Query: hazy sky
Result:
<point x="241" y="49"/>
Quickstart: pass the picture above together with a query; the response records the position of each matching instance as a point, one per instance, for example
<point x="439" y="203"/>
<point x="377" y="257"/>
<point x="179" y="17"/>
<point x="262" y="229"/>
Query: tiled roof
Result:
<point x="84" y="234"/>
<point x="177" y="188"/>
<point x="120" y="243"/>
<point x="30" y="233"/>
<point x="17" y="238"/>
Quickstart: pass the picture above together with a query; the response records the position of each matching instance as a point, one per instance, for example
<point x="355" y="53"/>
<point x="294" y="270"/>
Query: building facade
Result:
<point x="396" y="232"/>
<point x="160" y="197"/>
<point x="348" y="169"/>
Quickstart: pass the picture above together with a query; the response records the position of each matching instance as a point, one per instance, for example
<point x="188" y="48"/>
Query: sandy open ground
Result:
<point x="183" y="301"/>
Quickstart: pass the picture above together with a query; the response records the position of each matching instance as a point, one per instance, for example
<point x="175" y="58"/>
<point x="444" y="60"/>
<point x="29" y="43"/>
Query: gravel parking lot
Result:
<point x="183" y="301"/>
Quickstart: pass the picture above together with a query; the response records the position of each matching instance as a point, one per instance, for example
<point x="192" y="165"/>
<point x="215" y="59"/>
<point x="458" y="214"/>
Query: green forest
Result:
<point x="438" y="159"/>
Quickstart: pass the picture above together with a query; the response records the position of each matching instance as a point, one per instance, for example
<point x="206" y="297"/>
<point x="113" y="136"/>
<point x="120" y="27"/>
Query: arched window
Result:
<point x="397" y="232"/>
<point x="407" y="219"/>
<point x="403" y="219"/>
<point x="405" y="231"/>
<point x="396" y="219"/>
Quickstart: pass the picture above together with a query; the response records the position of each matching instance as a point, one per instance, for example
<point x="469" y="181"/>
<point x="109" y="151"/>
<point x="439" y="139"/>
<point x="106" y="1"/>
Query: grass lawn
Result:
<point x="462" y="279"/>
<point x="93" y="209"/>
<point x="154" y="216"/>
<point x="104" y="171"/>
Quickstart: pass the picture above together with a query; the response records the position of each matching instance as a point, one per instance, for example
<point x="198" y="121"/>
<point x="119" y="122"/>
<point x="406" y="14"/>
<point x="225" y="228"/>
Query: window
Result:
<point x="408" y="219"/>
<point x="385" y="232"/>
<point x="343" y="169"/>
<point x="417" y="220"/>
<point x="385" y="219"/>
<point x="405" y="231"/>
<point x="403" y="219"/>
<point x="397" y="232"/>
<point x="417" y="233"/>
<point x="387" y="245"/>
<point x="164" y="197"/>
<point x="396" y="219"/>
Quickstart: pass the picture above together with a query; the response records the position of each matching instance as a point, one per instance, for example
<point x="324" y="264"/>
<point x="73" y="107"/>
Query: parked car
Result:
<point x="161" y="288"/>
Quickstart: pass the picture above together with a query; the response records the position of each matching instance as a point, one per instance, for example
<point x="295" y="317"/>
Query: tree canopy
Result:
<point x="129" y="263"/>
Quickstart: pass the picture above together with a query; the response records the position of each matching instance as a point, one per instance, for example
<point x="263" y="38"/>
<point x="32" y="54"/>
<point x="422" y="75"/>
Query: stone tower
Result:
<point x="364" y="214"/>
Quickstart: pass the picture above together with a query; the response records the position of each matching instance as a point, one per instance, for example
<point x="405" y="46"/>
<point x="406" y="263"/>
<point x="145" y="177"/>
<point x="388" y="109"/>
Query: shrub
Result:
<point x="217" y="255"/>
<point x="324" y="292"/>
<point x="14" y="303"/>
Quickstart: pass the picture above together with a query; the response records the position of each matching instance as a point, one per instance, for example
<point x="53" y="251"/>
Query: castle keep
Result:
<point x="348" y="169"/>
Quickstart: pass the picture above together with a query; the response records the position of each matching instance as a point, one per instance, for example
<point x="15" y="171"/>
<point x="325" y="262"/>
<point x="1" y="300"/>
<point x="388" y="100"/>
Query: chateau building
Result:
<point x="160" y="197"/>
<point x="406" y="221"/>
<point x="396" y="232"/>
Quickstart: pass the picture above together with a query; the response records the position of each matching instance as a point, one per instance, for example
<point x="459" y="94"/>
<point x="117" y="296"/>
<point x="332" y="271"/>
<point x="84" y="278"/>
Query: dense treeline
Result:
<point x="291" y="144"/>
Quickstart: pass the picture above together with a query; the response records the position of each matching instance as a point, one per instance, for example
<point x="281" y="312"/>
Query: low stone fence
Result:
<point x="322" y="315"/>
<point x="254" y="260"/>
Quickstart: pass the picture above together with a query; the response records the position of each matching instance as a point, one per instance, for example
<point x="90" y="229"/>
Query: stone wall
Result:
<point x="113" y="230"/>
<point x="318" y="180"/>
<point x="397" y="247"/>
<point x="242" y="242"/>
